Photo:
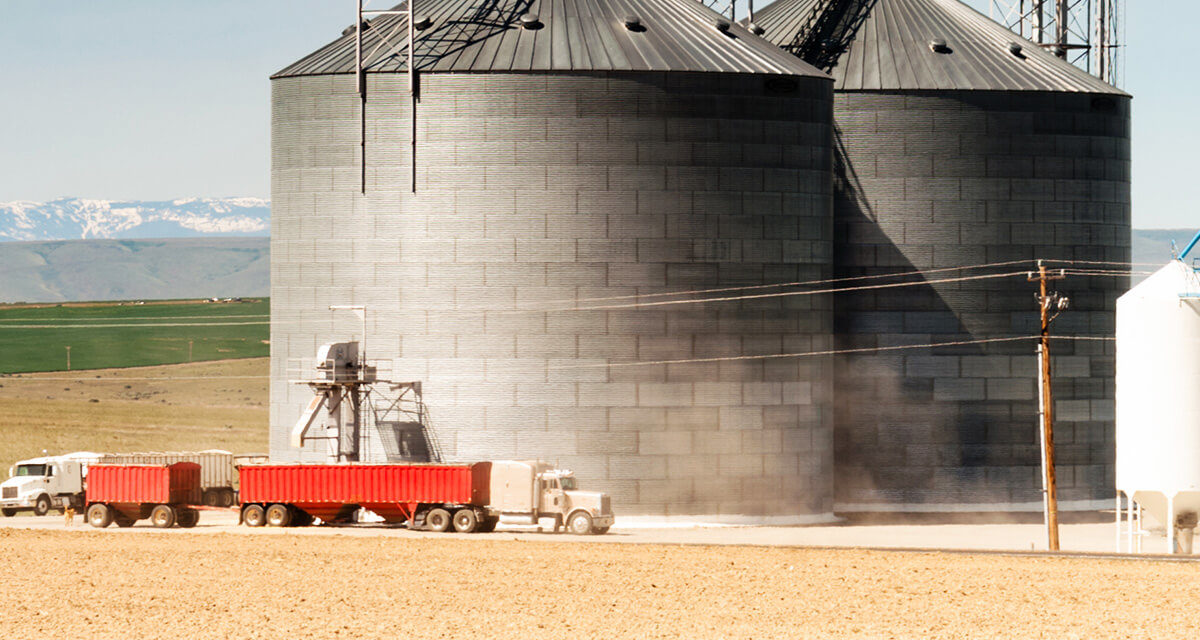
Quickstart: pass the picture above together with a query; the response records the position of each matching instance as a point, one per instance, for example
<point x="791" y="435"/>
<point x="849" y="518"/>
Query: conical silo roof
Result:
<point x="557" y="36"/>
<point x="891" y="50"/>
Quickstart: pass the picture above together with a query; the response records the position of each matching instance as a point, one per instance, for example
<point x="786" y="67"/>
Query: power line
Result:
<point x="897" y="274"/>
<point x="783" y="294"/>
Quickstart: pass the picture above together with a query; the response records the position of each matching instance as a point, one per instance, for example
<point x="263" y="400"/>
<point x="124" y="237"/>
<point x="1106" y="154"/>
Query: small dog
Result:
<point x="69" y="515"/>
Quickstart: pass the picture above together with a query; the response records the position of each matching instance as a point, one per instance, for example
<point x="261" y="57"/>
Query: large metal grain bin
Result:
<point x="960" y="144"/>
<point x="570" y="155"/>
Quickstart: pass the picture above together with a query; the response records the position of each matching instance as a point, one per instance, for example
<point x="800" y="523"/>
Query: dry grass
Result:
<point x="136" y="409"/>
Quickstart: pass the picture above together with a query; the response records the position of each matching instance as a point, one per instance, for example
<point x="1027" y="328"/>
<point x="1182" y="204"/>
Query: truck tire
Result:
<point x="600" y="530"/>
<point x="488" y="524"/>
<point x="580" y="523"/>
<point x="8" y="513"/>
<point x="438" y="520"/>
<point x="42" y="506"/>
<point x="212" y="497"/>
<point x="99" y="515"/>
<point x="301" y="518"/>
<point x="123" y="521"/>
<point x="227" y="498"/>
<point x="278" y="515"/>
<point x="254" y="516"/>
<point x="466" y="521"/>
<point x="163" y="516"/>
<point x="188" y="518"/>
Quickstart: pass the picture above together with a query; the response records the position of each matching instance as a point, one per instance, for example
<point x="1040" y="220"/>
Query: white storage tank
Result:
<point x="1158" y="397"/>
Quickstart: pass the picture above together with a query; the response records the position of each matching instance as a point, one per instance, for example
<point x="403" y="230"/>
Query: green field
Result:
<point x="106" y="335"/>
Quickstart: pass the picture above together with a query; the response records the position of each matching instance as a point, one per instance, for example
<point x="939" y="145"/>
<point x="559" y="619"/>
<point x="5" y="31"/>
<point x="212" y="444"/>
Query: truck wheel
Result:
<point x="488" y="525"/>
<point x="278" y="515"/>
<point x="254" y="516"/>
<point x="580" y="523"/>
<point x="227" y="498"/>
<point x="123" y="521"/>
<point x="163" y="516"/>
<point x="465" y="521"/>
<point x="8" y="513"/>
<point x="600" y="530"/>
<point x="99" y="515"/>
<point x="212" y="498"/>
<point x="438" y="520"/>
<point x="301" y="518"/>
<point x="188" y="519"/>
<point x="42" y="506"/>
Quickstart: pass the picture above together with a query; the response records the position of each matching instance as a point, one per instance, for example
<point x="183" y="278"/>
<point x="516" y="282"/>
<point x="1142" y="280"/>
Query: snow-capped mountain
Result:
<point x="79" y="218"/>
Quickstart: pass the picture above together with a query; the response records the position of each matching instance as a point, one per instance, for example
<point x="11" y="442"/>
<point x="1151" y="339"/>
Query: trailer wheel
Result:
<point x="188" y="519"/>
<point x="8" y="513"/>
<point x="278" y="515"/>
<point x="254" y="516"/>
<point x="301" y="518"/>
<point x="580" y="523"/>
<point x="42" y="506"/>
<point x="438" y="520"/>
<point x="99" y="515"/>
<point x="226" y="497"/>
<point x="163" y="516"/>
<point x="488" y="524"/>
<point x="123" y="521"/>
<point x="212" y="498"/>
<point x="466" y="521"/>
<point x="600" y="530"/>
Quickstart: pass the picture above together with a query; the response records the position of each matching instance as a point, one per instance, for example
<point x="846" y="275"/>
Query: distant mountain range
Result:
<point x="191" y="254"/>
<point x="79" y="218"/>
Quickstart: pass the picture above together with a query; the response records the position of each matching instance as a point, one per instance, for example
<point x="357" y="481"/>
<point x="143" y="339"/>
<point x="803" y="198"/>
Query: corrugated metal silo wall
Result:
<point x="942" y="179"/>
<point x="538" y="192"/>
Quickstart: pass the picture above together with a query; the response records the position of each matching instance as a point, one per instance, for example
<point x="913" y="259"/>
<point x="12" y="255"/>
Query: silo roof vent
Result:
<point x="1015" y="49"/>
<point x="634" y="23"/>
<point x="422" y="22"/>
<point x="938" y="45"/>
<point x="722" y="26"/>
<point x="755" y="29"/>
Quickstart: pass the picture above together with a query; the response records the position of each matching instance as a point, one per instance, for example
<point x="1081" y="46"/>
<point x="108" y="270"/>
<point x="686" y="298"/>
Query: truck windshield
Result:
<point x="568" y="484"/>
<point x="31" y="470"/>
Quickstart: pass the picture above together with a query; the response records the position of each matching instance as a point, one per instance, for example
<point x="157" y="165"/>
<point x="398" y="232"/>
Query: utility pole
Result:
<point x="1048" y="303"/>
<point x="68" y="358"/>
<point x="189" y="350"/>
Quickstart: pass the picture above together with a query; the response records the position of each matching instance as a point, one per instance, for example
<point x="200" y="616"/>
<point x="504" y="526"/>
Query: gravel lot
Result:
<point x="142" y="583"/>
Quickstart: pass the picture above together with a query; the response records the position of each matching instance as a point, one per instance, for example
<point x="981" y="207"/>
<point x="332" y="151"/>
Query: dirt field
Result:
<point x="210" y="405"/>
<point x="141" y="584"/>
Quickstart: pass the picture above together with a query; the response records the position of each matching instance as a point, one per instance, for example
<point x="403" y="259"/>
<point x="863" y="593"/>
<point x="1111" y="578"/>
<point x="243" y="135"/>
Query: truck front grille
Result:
<point x="10" y="493"/>
<point x="605" y="505"/>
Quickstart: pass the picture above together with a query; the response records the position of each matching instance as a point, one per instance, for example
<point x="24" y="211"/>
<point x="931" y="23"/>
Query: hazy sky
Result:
<point x="123" y="99"/>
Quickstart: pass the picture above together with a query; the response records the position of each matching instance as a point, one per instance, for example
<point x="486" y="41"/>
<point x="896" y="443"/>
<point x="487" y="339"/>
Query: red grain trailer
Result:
<point x="127" y="493"/>
<point x="436" y="495"/>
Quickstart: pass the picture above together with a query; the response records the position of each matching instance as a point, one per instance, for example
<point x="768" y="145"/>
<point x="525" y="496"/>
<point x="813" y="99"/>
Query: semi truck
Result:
<point x="439" y="497"/>
<point x="58" y="482"/>
<point x="49" y="482"/>
<point x="124" y="494"/>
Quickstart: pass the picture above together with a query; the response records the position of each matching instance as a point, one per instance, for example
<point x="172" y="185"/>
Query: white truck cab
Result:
<point x="39" y="484"/>
<point x="537" y="489"/>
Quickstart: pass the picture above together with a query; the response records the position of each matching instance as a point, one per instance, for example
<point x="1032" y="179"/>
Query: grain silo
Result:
<point x="570" y="154"/>
<point x="960" y="144"/>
